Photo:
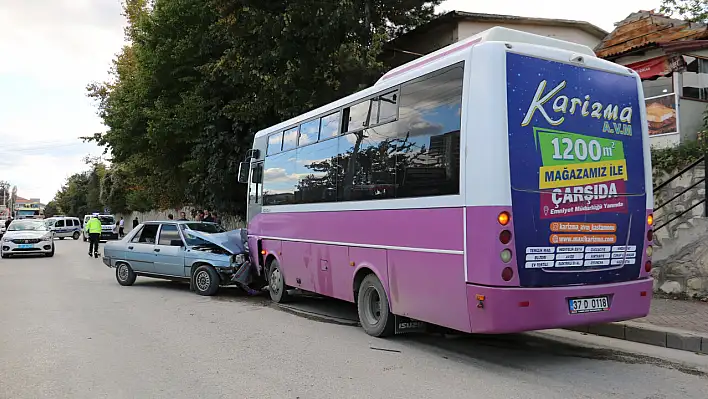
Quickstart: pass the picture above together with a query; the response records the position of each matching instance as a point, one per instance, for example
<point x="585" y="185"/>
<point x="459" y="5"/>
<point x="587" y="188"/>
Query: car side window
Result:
<point x="168" y="234"/>
<point x="136" y="237"/>
<point x="59" y="223"/>
<point x="147" y="235"/>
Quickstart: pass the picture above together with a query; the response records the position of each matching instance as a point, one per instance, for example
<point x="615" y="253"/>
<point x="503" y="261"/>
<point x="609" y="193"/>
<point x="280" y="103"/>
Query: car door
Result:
<point x="169" y="251"/>
<point x="140" y="251"/>
<point x="60" y="228"/>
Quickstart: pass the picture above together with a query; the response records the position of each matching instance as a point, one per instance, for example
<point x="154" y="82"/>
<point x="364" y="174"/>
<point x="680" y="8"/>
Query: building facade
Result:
<point x="671" y="57"/>
<point x="457" y="25"/>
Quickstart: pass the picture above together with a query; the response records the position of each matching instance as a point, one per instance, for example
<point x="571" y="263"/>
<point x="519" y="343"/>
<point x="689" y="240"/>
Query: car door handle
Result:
<point x="130" y="247"/>
<point x="157" y="249"/>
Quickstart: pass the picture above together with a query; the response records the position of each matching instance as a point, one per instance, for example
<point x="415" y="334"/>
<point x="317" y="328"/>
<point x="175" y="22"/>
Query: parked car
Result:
<point x="108" y="227"/>
<point x="27" y="236"/>
<point x="64" y="227"/>
<point x="202" y="253"/>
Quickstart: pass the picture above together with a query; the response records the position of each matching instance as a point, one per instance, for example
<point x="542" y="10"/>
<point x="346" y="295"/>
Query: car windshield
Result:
<point x="27" y="226"/>
<point x="107" y="220"/>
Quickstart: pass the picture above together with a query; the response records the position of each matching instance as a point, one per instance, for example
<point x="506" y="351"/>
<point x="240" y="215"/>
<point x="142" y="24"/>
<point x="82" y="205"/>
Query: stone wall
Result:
<point x="228" y="222"/>
<point x="681" y="248"/>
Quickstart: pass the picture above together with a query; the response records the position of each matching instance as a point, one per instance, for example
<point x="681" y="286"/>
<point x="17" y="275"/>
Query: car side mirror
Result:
<point x="176" y="243"/>
<point x="243" y="170"/>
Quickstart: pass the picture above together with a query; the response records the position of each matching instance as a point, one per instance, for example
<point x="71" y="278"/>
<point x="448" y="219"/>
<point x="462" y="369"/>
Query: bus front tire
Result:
<point x="374" y="311"/>
<point x="276" y="283"/>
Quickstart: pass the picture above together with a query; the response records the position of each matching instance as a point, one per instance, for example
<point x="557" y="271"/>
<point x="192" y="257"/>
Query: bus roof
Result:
<point x="452" y="53"/>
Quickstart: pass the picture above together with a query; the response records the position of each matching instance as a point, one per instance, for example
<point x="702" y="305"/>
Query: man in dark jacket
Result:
<point x="135" y="222"/>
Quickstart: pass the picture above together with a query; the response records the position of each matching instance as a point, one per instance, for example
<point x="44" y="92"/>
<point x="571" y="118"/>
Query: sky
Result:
<point x="51" y="49"/>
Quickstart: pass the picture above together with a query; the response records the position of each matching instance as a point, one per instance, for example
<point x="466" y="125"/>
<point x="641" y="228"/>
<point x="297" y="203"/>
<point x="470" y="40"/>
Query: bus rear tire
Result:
<point x="276" y="283"/>
<point x="374" y="311"/>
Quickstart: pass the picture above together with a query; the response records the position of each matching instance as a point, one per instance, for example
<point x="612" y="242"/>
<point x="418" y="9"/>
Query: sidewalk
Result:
<point x="676" y="324"/>
<point x="685" y="315"/>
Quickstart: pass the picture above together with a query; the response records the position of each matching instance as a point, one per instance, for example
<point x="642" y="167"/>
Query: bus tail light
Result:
<point x="650" y="251"/>
<point x="647" y="266"/>
<point x="505" y="237"/>
<point x="507" y="274"/>
<point x="650" y="220"/>
<point x="506" y="255"/>
<point x="504" y="218"/>
<point x="650" y="235"/>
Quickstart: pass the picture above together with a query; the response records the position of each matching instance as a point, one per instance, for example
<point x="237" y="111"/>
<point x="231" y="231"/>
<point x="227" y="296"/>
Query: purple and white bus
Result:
<point x="501" y="184"/>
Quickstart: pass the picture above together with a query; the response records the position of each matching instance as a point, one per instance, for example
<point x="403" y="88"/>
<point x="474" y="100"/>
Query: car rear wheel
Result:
<point x="206" y="280"/>
<point x="125" y="274"/>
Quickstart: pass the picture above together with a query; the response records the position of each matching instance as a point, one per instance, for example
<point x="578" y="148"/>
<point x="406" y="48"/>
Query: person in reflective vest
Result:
<point x="93" y="228"/>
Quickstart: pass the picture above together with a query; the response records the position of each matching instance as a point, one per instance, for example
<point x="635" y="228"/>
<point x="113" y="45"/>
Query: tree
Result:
<point x="200" y="77"/>
<point x="690" y="10"/>
<point x="51" y="209"/>
<point x="80" y="195"/>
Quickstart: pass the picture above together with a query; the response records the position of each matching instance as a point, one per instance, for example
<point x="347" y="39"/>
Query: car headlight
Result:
<point x="7" y="239"/>
<point x="238" y="259"/>
<point x="47" y="237"/>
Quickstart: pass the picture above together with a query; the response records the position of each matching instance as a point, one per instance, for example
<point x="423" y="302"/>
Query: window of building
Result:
<point x="695" y="78"/>
<point x="329" y="126"/>
<point x="317" y="171"/>
<point x="657" y="87"/>
<point x="168" y="234"/>
<point x="275" y="143"/>
<point x="290" y="139"/>
<point x="428" y="135"/>
<point x="309" y="132"/>
<point x="279" y="179"/>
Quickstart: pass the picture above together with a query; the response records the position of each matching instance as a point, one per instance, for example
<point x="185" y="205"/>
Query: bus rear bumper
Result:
<point x="495" y="310"/>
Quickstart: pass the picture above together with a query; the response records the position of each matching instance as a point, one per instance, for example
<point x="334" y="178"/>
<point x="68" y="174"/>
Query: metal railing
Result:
<point x="703" y="160"/>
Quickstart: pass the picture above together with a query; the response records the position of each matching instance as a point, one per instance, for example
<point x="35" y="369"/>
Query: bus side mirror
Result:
<point x="257" y="177"/>
<point x="243" y="169"/>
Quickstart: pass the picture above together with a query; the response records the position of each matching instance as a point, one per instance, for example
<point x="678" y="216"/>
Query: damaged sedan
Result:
<point x="204" y="254"/>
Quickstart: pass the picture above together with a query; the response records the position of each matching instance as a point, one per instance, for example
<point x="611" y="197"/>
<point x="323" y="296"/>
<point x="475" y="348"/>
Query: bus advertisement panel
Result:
<point x="577" y="173"/>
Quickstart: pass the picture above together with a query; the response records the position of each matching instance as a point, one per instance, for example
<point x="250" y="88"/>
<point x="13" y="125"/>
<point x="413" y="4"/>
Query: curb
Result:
<point x="665" y="337"/>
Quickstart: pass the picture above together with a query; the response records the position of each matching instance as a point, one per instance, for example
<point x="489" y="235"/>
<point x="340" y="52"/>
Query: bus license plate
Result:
<point x="587" y="305"/>
<point x="25" y="246"/>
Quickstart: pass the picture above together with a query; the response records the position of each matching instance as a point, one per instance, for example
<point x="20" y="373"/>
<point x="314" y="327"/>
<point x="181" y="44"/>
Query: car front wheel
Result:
<point x="125" y="274"/>
<point x="50" y="254"/>
<point x="205" y="281"/>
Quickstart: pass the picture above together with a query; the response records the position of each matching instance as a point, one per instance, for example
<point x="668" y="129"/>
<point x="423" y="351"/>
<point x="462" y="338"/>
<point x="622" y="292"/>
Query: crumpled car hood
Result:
<point x="231" y="241"/>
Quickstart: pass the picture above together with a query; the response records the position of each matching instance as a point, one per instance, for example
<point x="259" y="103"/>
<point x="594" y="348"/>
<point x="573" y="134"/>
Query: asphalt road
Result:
<point x="68" y="330"/>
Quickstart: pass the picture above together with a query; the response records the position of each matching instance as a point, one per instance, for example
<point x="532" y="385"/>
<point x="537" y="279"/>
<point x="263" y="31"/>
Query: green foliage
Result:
<point x="667" y="161"/>
<point x="690" y="10"/>
<point x="200" y="77"/>
<point x="51" y="209"/>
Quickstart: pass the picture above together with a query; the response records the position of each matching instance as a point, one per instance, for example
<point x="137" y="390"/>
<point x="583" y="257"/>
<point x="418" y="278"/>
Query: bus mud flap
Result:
<point x="408" y="325"/>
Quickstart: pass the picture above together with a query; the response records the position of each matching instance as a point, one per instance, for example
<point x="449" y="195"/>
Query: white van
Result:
<point x="64" y="227"/>
<point x="108" y="227"/>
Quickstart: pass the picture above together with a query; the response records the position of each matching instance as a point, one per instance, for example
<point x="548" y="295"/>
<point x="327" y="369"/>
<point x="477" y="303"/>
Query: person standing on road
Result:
<point x="93" y="228"/>
<point x="135" y="222"/>
<point x="207" y="217"/>
<point x="170" y="217"/>
<point x="8" y="221"/>
<point x="182" y="217"/>
<point x="121" y="228"/>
